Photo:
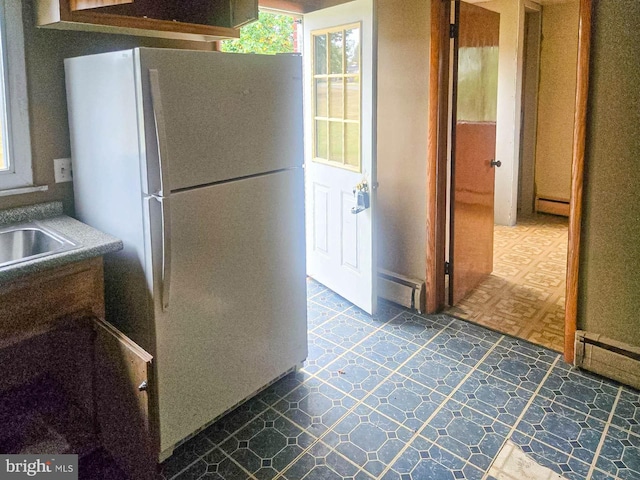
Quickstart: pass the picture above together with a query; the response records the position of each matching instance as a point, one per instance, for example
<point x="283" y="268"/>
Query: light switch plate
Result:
<point x="62" y="168"/>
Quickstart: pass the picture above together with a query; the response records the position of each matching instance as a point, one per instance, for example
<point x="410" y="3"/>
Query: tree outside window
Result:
<point x="272" y="33"/>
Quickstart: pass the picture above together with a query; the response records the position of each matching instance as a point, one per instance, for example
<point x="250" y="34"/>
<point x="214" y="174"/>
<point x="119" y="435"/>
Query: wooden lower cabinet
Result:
<point x="52" y="325"/>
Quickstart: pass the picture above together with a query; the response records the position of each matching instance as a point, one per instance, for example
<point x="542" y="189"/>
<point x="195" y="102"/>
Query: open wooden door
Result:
<point x="122" y="383"/>
<point x="473" y="140"/>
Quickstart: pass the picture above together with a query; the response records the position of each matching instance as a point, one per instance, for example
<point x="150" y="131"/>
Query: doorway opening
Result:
<point x="523" y="294"/>
<point x="336" y="41"/>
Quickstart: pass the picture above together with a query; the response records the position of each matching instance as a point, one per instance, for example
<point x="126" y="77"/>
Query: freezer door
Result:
<point x="216" y="116"/>
<point x="233" y="317"/>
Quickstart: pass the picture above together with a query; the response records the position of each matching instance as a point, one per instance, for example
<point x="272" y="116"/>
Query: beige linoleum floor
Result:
<point x="525" y="294"/>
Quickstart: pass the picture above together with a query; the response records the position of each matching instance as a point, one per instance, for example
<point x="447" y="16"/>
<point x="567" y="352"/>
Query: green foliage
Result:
<point x="271" y="34"/>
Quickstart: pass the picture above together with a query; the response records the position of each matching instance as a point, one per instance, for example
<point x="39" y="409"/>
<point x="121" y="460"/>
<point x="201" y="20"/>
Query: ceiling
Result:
<point x="539" y="2"/>
<point x="300" y="6"/>
<point x="306" y="6"/>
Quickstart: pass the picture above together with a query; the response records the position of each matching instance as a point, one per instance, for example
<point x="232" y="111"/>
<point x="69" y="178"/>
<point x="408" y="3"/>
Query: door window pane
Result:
<point x="335" y="141"/>
<point x="321" y="138"/>
<point x="321" y="97"/>
<point x="335" y="52"/>
<point x="352" y="98"/>
<point x="336" y="98"/>
<point x="352" y="50"/>
<point x="352" y="144"/>
<point x="320" y="57"/>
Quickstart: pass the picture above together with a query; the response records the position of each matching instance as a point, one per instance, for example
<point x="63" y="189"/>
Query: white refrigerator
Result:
<point x="194" y="159"/>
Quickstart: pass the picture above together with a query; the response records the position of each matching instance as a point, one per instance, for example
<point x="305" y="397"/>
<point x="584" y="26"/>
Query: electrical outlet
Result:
<point x="62" y="168"/>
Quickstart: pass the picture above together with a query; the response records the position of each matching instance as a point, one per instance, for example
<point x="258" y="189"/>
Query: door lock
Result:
<point x="363" y="201"/>
<point x="496" y="164"/>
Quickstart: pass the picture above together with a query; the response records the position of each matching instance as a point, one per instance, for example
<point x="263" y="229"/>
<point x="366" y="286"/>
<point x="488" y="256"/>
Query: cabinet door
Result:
<point x="122" y="382"/>
<point x="243" y="12"/>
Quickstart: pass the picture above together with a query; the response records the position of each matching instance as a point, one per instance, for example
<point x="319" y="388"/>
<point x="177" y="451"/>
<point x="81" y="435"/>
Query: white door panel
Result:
<point x="320" y="219"/>
<point x="349" y="234"/>
<point x="340" y="244"/>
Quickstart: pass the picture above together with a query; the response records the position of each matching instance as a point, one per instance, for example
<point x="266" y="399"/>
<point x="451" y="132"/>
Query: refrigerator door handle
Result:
<point x="161" y="135"/>
<point x="166" y="251"/>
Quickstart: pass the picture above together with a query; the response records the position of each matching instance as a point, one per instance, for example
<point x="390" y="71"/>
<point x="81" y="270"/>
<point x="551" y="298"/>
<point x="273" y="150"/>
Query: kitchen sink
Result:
<point x="27" y="241"/>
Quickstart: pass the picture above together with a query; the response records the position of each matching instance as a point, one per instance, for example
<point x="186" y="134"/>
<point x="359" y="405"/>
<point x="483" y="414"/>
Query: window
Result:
<point x="273" y="33"/>
<point x="336" y="96"/>
<point x="15" y="157"/>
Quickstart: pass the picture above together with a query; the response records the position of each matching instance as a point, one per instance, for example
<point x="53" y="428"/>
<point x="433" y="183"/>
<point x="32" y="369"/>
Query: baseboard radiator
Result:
<point x="405" y="291"/>
<point x="609" y="358"/>
<point x="554" y="206"/>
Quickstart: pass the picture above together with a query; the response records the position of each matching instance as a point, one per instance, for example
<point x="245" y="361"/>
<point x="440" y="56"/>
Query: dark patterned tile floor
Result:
<point x="401" y="396"/>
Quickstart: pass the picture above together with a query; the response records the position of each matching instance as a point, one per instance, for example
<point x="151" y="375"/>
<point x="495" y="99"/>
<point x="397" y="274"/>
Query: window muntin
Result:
<point x="337" y="95"/>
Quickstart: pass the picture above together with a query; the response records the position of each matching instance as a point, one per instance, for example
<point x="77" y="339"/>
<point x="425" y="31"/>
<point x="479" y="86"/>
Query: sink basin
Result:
<point x="27" y="241"/>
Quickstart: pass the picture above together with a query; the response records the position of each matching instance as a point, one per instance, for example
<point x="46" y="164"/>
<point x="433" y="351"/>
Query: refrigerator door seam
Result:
<point x="235" y="179"/>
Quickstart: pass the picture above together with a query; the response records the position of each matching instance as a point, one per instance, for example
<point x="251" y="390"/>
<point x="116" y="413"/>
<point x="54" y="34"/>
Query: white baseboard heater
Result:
<point x="405" y="291"/>
<point x="609" y="358"/>
<point x="554" y="206"/>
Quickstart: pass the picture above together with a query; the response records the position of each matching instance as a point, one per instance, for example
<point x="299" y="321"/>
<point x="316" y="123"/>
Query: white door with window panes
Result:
<point x="340" y="167"/>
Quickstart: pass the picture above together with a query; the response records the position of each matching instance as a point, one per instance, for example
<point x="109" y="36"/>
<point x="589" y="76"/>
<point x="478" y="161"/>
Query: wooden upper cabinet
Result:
<point x="199" y="20"/>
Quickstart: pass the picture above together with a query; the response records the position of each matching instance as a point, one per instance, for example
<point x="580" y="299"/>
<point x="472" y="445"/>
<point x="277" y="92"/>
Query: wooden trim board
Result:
<point x="577" y="180"/>
<point x="437" y="155"/>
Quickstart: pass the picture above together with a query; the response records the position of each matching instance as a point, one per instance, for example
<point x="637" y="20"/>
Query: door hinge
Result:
<point x="447" y="268"/>
<point x="453" y="30"/>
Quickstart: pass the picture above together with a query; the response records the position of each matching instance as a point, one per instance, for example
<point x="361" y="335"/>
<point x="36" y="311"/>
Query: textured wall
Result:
<point x="556" y="100"/>
<point x="609" y="300"/>
<point x="403" y="72"/>
<point x="45" y="51"/>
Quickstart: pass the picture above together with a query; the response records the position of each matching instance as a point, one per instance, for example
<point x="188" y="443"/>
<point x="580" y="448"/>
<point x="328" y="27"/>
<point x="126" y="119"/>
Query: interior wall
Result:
<point x="609" y="282"/>
<point x="512" y="16"/>
<point x="403" y="90"/>
<point x="556" y="100"/>
<point x="45" y="51"/>
<point x="526" y="182"/>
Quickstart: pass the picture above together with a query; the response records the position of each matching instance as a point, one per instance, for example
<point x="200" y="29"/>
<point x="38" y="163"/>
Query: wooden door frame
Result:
<point x="437" y="164"/>
<point x="439" y="62"/>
